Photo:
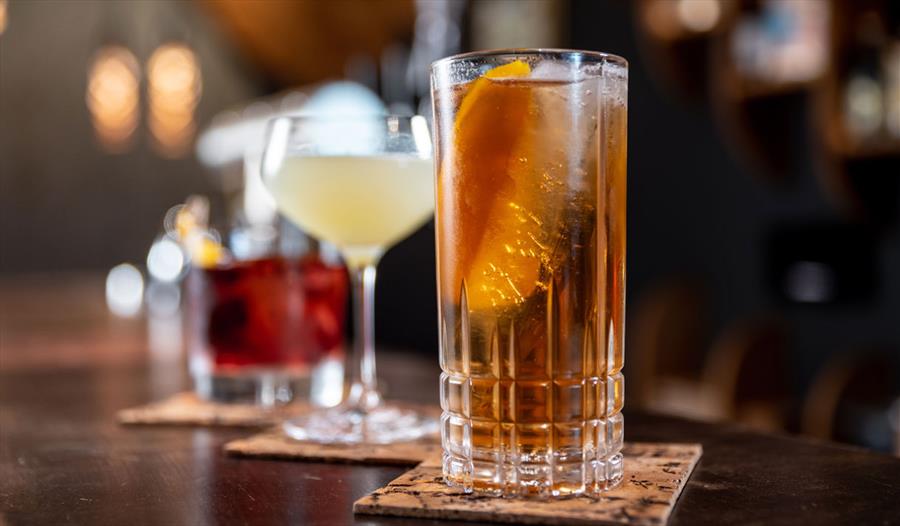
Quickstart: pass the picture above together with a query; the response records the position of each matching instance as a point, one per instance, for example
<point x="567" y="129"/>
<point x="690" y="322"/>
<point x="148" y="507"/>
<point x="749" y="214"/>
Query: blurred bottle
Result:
<point x="785" y="41"/>
<point x="864" y="88"/>
<point x="872" y="85"/>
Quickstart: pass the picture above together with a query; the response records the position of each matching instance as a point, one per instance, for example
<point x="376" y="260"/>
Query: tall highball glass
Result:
<point x="530" y="164"/>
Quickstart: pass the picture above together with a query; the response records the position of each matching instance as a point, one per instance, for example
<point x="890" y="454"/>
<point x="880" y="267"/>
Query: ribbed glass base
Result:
<point x="592" y="469"/>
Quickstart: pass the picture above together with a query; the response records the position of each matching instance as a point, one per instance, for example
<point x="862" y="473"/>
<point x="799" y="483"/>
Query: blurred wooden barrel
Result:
<point x="302" y="41"/>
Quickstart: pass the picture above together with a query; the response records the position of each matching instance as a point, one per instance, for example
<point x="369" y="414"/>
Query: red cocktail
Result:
<point x="258" y="322"/>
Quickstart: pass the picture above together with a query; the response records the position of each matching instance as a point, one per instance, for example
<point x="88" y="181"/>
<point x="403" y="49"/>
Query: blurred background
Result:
<point x="764" y="172"/>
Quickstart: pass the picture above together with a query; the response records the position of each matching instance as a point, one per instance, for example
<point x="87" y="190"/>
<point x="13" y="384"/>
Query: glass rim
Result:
<point x="594" y="56"/>
<point x="312" y="117"/>
<point x="415" y="125"/>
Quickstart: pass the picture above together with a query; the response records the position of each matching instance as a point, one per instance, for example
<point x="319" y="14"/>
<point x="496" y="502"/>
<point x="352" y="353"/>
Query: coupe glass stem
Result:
<point x="363" y="395"/>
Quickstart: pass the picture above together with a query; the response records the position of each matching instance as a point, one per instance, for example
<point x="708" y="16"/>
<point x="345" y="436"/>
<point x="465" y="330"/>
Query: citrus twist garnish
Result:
<point x="193" y="235"/>
<point x="497" y="251"/>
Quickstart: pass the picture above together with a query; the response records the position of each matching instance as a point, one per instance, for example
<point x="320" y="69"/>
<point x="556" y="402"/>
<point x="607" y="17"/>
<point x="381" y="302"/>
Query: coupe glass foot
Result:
<point x="385" y="424"/>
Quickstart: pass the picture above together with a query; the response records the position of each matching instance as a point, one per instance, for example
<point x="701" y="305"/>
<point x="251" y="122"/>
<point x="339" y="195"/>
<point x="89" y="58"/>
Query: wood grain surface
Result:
<point x="66" y="368"/>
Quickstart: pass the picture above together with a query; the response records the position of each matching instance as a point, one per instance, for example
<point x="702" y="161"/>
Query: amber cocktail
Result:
<point x="531" y="149"/>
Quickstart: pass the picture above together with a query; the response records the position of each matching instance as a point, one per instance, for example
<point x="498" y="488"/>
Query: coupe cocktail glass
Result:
<point x="362" y="183"/>
<point x="531" y="269"/>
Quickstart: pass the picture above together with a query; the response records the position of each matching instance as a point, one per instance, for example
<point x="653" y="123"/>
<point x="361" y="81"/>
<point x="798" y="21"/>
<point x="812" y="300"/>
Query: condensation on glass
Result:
<point x="530" y="187"/>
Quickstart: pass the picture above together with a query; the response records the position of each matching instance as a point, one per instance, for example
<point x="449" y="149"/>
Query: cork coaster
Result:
<point x="275" y="444"/>
<point x="655" y="474"/>
<point x="187" y="409"/>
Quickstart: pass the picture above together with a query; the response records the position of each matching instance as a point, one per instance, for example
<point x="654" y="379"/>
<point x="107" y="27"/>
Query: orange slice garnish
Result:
<point x="208" y="253"/>
<point x="491" y="193"/>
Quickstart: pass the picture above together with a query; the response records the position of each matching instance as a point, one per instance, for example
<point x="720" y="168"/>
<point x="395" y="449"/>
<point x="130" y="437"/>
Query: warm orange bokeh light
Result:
<point x="174" y="85"/>
<point x="3" y="6"/>
<point x="113" y="96"/>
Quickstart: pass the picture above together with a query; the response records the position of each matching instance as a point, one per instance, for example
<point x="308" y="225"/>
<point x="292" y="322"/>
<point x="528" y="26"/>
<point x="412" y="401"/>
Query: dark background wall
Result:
<point x="696" y="210"/>
<point x="64" y="203"/>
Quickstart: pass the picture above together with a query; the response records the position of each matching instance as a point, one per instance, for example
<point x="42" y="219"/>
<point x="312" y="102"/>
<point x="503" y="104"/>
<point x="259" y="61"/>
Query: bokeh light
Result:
<point x="892" y="95"/>
<point x="174" y="85"/>
<point x="3" y="15"/>
<point x="810" y="282"/>
<point x="421" y="135"/>
<point x="660" y="19"/>
<point x="327" y="383"/>
<point x="864" y="103"/>
<point x="344" y="98"/>
<point x="124" y="290"/>
<point x="163" y="299"/>
<point x="113" y="97"/>
<point x="166" y="260"/>
<point x="699" y="15"/>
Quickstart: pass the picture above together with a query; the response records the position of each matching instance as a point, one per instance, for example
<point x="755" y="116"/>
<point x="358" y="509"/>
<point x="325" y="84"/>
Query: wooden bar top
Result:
<point x="67" y="366"/>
